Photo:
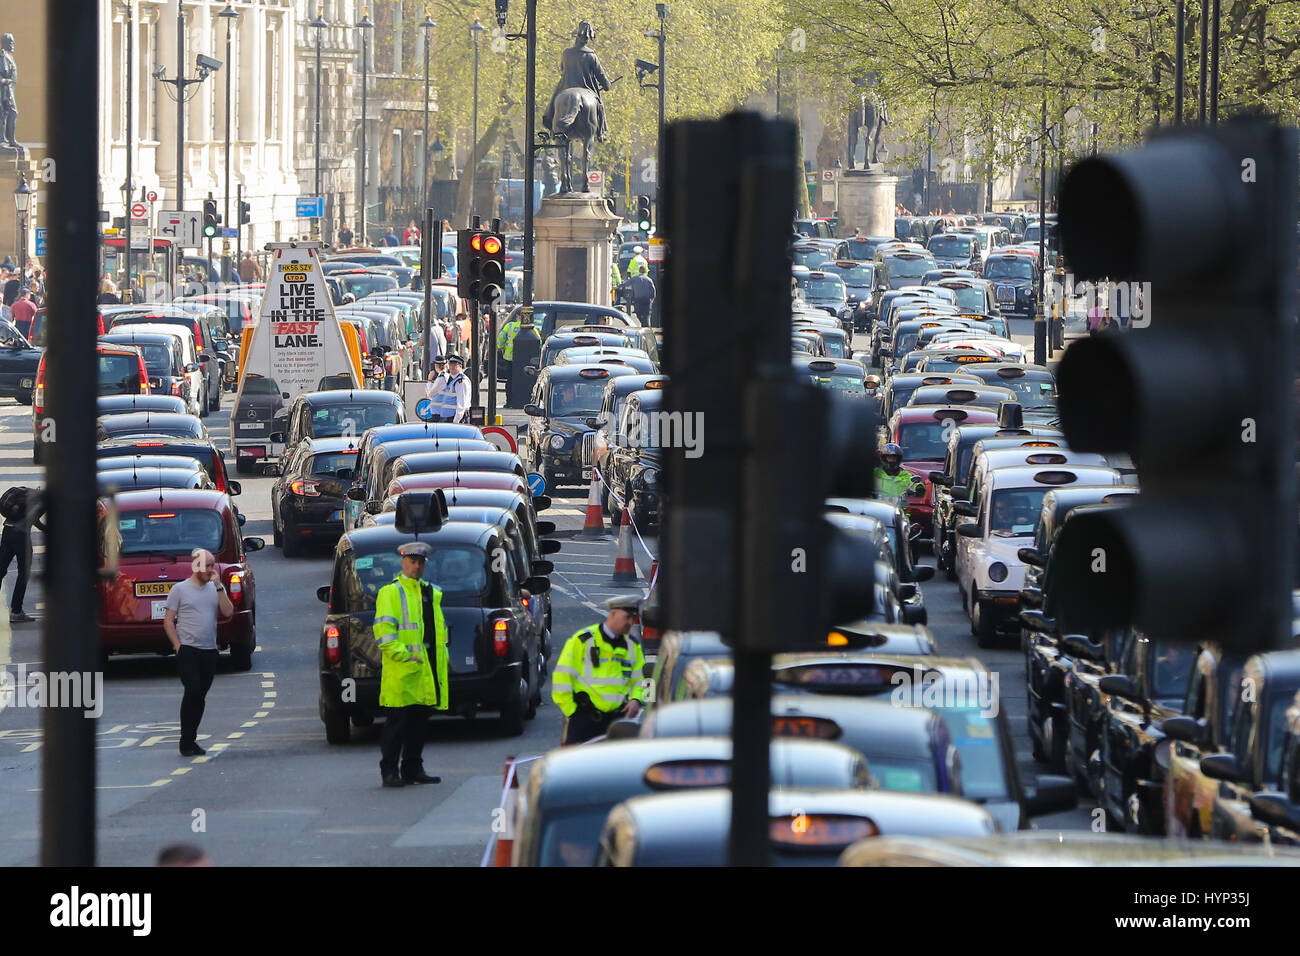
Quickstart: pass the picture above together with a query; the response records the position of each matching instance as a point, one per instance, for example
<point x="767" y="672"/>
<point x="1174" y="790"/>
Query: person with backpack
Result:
<point x="21" y="508"/>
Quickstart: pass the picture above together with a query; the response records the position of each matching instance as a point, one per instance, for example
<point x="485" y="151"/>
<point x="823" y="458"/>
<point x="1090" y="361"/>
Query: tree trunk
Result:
<point x="466" y="186"/>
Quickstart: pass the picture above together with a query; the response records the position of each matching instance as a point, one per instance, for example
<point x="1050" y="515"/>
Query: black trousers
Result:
<point x="197" y="667"/>
<point x="403" y="736"/>
<point x="584" y="725"/>
<point x="16" y="543"/>
<point x="642" y="307"/>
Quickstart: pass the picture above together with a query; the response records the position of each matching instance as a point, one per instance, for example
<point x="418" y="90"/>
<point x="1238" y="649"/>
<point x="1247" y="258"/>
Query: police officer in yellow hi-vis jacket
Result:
<point x="408" y="622"/>
<point x="599" y="676"/>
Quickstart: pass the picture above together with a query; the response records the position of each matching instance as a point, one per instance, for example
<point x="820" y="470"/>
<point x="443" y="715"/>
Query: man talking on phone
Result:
<point x="193" y="608"/>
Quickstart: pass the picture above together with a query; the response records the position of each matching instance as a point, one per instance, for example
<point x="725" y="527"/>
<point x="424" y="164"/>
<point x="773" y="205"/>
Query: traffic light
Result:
<point x="469" y="261"/>
<point x="492" y="269"/>
<point x="245" y="213"/>
<point x="643" y="213"/>
<point x="211" y="219"/>
<point x="1207" y="549"/>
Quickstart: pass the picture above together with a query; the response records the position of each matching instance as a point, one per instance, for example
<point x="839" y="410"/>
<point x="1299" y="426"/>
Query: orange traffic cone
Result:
<point x="594" y="526"/>
<point x="625" y="574"/>
<point x="506" y="834"/>
<point x="654" y="572"/>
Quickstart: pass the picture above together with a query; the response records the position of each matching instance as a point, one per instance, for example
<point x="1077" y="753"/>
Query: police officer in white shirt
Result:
<point x="437" y="376"/>
<point x="458" y="385"/>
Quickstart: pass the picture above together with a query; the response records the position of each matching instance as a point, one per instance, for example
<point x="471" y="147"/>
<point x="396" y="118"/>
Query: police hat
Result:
<point x="415" y="549"/>
<point x="629" y="602"/>
<point x="440" y="359"/>
<point x="453" y="357"/>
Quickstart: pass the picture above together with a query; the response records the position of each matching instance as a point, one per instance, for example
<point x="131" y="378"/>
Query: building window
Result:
<point x="148" y="85"/>
<point x="271" y="128"/>
<point x="397" y="37"/>
<point x="117" y="111"/>
<point x="395" y="176"/>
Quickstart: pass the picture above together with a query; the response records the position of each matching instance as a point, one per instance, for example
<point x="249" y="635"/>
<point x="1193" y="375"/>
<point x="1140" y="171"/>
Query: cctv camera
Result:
<point x="158" y="72"/>
<point x="208" y="63"/>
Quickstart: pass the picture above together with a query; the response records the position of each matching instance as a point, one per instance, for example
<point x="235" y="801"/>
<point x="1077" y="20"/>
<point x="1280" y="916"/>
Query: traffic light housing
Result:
<point x="245" y="213"/>
<point x="211" y="219"/>
<point x="643" y="219"/>
<point x="1199" y="391"/>
<point x="492" y="269"/>
<point x="469" y="256"/>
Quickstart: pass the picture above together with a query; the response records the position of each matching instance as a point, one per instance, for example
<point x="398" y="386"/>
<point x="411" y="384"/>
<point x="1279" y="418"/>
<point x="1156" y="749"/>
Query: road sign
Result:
<point x="139" y="210"/>
<point x="828" y="175"/>
<point x="40" y="240"/>
<point x="596" y="177"/>
<point x="424" y="409"/>
<point x="151" y="195"/>
<point x="536" y="484"/>
<point x="657" y="250"/>
<point x="227" y="232"/>
<point x="183" y="227"/>
<point x="501" y="437"/>
<point x="309" y="207"/>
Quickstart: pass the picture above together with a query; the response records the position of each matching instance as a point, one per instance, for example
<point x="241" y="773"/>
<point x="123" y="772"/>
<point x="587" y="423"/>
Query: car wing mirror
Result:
<point x="543" y="567"/>
<point x="922" y="572"/>
<point x="549" y="546"/>
<point x="233" y="487"/>
<point x="356" y="494"/>
<point x="1223" y="767"/>
<point x="1186" y="729"/>
<point x="323" y="594"/>
<point x="1051" y="794"/>
<point x="1121" y="685"/>
<point x="253" y="544"/>
<point x="537" y="584"/>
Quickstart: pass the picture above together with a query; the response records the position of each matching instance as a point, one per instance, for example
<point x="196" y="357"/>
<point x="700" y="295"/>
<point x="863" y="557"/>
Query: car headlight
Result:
<point x="650" y="476"/>
<point x="997" y="571"/>
<point x="557" y="442"/>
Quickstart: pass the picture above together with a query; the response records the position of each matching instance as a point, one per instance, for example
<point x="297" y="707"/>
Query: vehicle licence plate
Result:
<point x="152" y="588"/>
<point x="159" y="610"/>
<point x="586" y="474"/>
<point x="245" y="426"/>
<point x="25" y="383"/>
<point x="252" y="452"/>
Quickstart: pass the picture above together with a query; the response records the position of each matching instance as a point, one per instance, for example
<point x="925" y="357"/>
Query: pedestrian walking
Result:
<point x="411" y="234"/>
<point x="24" y="309"/>
<point x="22" y="508"/>
<point x="641" y="290"/>
<point x="345" y="236"/>
<point x="599" y="675"/>
<point x="409" y="624"/>
<point x="249" y="270"/>
<point x="190" y="622"/>
<point x="458" y="385"/>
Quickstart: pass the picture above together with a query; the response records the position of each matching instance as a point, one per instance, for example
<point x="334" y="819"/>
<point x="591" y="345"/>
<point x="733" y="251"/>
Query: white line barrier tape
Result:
<point x="509" y="812"/>
<point x="621" y="505"/>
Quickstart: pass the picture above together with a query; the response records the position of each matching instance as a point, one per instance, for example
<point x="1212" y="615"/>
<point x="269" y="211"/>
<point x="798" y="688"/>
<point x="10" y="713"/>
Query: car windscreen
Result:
<point x="861" y="248"/>
<point x="975" y="736"/>
<point x="114" y="429"/>
<point x="460" y="573"/>
<point x="855" y="275"/>
<point x="924" y="441"/>
<point x="259" y="385"/>
<point x="157" y="359"/>
<point x="812" y="258"/>
<point x="119" y="374"/>
<point x="1017" y="267"/>
<point x="328" y="464"/>
<point x="364" y="285"/>
<point x="829" y="287"/>
<point x="573" y="399"/>
<point x="951" y="246"/>
<point x="169" y="530"/>
<point x="1014" y="512"/>
<point x="564" y="320"/>
<point x="1030" y="392"/>
<point x="901" y="773"/>
<point x="850" y="384"/>
<point x="835" y="346"/>
<point x="1171" y="665"/>
<point x="912" y="267"/>
<point x="333" y="421"/>
<point x="970" y="298"/>
<point x="570" y="837"/>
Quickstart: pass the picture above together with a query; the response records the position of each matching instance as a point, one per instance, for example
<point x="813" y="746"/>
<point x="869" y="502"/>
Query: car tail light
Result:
<point x="333" y="653"/>
<point x="236" y="587"/>
<point x="176" y="388"/>
<point x="304" y="487"/>
<point x="38" y="398"/>
<point x="500" y="637"/>
<point x="528" y="603"/>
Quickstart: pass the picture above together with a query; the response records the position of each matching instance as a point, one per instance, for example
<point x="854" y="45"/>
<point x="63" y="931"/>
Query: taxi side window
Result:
<point x="1241" y="727"/>
<point x="1195" y="703"/>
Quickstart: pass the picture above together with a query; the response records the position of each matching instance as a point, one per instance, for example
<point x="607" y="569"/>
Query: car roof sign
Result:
<point x="1055" y="477"/>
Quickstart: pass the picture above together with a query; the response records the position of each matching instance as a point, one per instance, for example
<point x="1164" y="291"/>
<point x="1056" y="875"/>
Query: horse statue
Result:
<point x="576" y="111"/>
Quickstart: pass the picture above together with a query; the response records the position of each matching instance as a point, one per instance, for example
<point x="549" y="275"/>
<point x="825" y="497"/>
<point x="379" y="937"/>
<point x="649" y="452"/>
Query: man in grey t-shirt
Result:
<point x="191" y="625"/>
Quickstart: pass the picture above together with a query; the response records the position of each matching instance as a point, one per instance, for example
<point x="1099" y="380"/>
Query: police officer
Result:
<point x="638" y="266"/>
<point x="458" y="386"/>
<point x="892" y="482"/>
<point x="598" y="676"/>
<point x="408" y="624"/>
<point x="437" y="376"/>
<point x="506" y="347"/>
<point x="640" y="288"/>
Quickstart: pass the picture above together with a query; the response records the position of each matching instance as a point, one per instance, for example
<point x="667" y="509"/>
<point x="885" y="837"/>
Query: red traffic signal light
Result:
<point x="491" y="245"/>
<point x="476" y="242"/>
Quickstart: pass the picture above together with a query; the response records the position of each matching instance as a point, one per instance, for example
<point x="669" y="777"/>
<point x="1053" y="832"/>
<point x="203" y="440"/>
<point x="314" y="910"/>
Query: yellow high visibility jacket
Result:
<point x="609" y="676"/>
<point x="407" y="677"/>
<point x="506" y="339"/>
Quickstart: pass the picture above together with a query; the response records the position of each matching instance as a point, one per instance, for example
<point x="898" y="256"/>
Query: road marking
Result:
<point x="181" y="770"/>
<point x="268" y="683"/>
<point x="249" y="723"/>
<point x="261" y="713"/>
<point x="234" y="735"/>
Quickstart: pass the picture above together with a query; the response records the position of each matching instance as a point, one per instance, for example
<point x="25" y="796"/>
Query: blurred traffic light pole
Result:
<point x="70" y="633"/>
<point x="746" y="550"/>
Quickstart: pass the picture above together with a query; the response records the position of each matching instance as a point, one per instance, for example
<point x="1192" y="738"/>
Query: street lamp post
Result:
<point x="128" y="188"/>
<point x="427" y="26"/>
<point x="365" y="25"/>
<point x="474" y="32"/>
<point x="22" y="202"/>
<point x="1214" y="68"/>
<point x="1181" y="20"/>
<point x="230" y="15"/>
<point x="529" y="36"/>
<point x="180" y="83"/>
<point x="661" y="37"/>
<point x="319" y="25"/>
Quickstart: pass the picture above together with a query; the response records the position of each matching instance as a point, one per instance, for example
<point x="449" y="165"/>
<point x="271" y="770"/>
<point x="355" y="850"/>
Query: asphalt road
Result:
<point x="271" y="791"/>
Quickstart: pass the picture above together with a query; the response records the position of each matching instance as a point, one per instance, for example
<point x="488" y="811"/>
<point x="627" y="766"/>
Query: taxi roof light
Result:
<point x="681" y="774"/>
<point x="594" y="373"/>
<point x="1056" y="477"/>
<point x="820" y="831"/>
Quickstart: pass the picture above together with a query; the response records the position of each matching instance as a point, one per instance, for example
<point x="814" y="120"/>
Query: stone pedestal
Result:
<point x="866" y="202"/>
<point x="573" y="235"/>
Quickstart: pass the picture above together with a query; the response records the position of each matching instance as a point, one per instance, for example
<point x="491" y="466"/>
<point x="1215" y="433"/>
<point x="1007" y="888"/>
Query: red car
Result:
<point x="922" y="432"/>
<point x="156" y="532"/>
<point x="121" y="372"/>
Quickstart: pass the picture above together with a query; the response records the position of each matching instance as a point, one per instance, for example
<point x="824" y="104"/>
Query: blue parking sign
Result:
<point x="40" y="240"/>
<point x="309" y="207"/>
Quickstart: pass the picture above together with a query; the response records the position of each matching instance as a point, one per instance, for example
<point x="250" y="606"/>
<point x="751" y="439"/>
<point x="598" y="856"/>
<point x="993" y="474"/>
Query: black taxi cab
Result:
<point x="805" y="827"/>
<point x="564" y="398"/>
<point x="369" y="470"/>
<point x="494" y="645"/>
<point x="563" y="805"/>
<point x="667" y="677"/>
<point x="606" y="420"/>
<point x="382" y="459"/>
<point x="634" y="466"/>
